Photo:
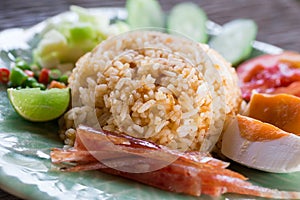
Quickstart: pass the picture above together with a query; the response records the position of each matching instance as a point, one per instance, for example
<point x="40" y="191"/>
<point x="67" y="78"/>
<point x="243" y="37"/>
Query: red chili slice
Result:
<point x="4" y="75"/>
<point x="44" y="76"/>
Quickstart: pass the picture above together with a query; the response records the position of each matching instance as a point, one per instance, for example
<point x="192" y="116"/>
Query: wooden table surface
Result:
<point x="278" y="20"/>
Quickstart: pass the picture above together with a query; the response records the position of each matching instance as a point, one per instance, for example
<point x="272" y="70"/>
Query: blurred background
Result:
<point x="278" y="20"/>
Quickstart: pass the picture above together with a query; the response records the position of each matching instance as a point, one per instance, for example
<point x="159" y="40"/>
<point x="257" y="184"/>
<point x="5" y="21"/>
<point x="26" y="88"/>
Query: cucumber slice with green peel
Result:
<point x="144" y="13"/>
<point x="188" y="19"/>
<point x="235" y="40"/>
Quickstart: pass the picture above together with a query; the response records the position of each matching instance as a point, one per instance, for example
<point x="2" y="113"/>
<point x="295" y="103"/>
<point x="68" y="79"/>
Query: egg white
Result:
<point x="280" y="155"/>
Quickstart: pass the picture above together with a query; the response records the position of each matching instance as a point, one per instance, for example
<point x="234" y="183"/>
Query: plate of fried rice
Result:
<point x="145" y="83"/>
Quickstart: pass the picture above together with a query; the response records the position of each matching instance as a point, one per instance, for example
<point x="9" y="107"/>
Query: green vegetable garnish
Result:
<point x="17" y="77"/>
<point x="189" y="19"/>
<point x="54" y="74"/>
<point x="29" y="82"/>
<point x="22" y="64"/>
<point x="63" y="79"/>
<point x="144" y="13"/>
<point x="235" y="40"/>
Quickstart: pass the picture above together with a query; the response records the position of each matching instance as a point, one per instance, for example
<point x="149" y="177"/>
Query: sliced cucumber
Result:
<point x="189" y="19"/>
<point x="235" y="40"/>
<point x="144" y="13"/>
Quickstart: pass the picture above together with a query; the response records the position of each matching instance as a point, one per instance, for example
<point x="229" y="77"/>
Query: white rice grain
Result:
<point x="168" y="93"/>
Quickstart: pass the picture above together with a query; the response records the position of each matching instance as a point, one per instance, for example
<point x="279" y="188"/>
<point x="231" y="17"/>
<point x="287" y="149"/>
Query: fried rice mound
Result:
<point x="163" y="88"/>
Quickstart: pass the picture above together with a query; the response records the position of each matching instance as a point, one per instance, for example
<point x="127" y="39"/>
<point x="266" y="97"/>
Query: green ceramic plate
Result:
<point x="25" y="167"/>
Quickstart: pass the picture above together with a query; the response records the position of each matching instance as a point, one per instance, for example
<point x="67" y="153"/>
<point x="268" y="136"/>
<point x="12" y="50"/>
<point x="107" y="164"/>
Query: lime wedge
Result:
<point x="38" y="105"/>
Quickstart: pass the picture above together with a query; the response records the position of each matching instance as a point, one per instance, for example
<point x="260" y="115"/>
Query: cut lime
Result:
<point x="38" y="105"/>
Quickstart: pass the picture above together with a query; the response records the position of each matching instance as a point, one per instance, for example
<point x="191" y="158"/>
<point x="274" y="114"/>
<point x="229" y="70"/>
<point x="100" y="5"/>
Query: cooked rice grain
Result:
<point x="152" y="85"/>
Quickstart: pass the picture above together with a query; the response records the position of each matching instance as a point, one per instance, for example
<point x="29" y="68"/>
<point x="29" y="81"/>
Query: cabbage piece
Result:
<point x="49" y="50"/>
<point x="64" y="40"/>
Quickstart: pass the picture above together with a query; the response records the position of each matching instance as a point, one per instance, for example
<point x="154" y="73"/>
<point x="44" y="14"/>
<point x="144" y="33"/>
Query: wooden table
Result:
<point x="278" y="20"/>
